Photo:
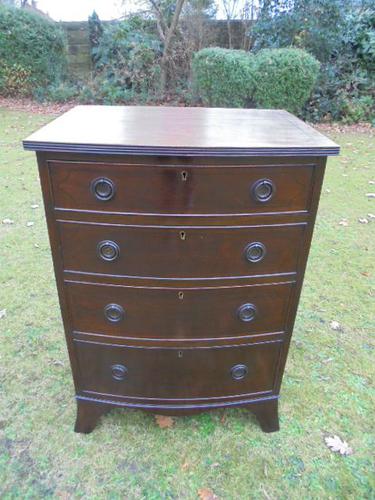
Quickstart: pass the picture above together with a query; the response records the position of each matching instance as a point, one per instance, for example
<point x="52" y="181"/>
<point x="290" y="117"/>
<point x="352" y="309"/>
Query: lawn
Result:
<point x="327" y="387"/>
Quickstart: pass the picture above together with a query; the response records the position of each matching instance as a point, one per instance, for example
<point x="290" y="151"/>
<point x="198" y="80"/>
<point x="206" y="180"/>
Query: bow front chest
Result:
<point x="179" y="239"/>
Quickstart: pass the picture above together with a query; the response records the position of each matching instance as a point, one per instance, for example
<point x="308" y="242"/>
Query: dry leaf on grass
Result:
<point x="344" y="222"/>
<point x="335" y="325"/>
<point x="3" y="313"/>
<point x="335" y="444"/>
<point x="164" y="422"/>
<point x="207" y="494"/>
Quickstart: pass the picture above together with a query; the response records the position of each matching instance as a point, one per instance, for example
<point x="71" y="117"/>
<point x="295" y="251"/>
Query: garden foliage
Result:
<point x="127" y="63"/>
<point x="224" y="77"/>
<point x="273" y="78"/>
<point x="341" y="35"/>
<point x="32" y="51"/>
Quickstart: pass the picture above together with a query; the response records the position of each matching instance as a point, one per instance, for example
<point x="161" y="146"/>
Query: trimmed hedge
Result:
<point x="32" y="51"/>
<point x="272" y="78"/>
<point x="285" y="78"/>
<point x="223" y="77"/>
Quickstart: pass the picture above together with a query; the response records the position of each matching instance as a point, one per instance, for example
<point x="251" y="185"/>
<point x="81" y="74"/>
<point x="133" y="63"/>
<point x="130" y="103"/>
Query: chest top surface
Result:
<point x="150" y="130"/>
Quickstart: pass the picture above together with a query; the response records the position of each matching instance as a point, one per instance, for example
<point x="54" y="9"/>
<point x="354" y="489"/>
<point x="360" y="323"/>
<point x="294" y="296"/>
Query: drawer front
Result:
<point x="172" y="374"/>
<point x="181" y="190"/>
<point x="169" y="313"/>
<point x="165" y="252"/>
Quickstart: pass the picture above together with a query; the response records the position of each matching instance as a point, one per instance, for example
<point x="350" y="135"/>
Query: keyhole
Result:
<point x="180" y="354"/>
<point x="184" y="175"/>
<point x="181" y="295"/>
<point x="183" y="235"/>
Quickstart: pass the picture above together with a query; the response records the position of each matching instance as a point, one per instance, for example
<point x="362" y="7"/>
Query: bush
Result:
<point x="61" y="92"/>
<point x="285" y="78"/>
<point x="14" y="80"/>
<point x="223" y="77"/>
<point x="276" y="78"/>
<point x="126" y="62"/>
<point x="32" y="51"/>
<point x="340" y="34"/>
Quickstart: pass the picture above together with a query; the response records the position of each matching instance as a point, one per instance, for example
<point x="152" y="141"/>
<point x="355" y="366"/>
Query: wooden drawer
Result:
<point x="169" y="313"/>
<point x="179" y="190"/>
<point x="178" y="252"/>
<point x="177" y="375"/>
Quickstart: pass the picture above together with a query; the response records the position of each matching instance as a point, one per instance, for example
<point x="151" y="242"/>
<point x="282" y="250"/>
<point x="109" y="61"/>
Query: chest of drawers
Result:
<point x="179" y="239"/>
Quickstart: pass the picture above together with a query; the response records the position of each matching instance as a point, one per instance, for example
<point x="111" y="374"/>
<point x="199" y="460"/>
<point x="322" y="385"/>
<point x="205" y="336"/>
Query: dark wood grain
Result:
<point x="176" y="375"/>
<point x="180" y="252"/>
<point x="180" y="131"/>
<point x="169" y="313"/>
<point x="182" y="224"/>
<point x="199" y="189"/>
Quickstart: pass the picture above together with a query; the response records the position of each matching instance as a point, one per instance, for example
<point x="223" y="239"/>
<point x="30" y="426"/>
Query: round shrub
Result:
<point x="32" y="51"/>
<point x="284" y="78"/>
<point x="223" y="77"/>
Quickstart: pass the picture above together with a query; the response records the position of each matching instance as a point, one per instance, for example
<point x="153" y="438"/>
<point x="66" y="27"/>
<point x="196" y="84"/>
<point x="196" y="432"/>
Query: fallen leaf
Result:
<point x="265" y="492"/>
<point x="35" y="206"/>
<point x="335" y="444"/>
<point x="8" y="221"/>
<point x="3" y="313"/>
<point x="365" y="274"/>
<point x="335" y="325"/>
<point x="63" y="494"/>
<point x="29" y="224"/>
<point x="216" y="464"/>
<point x="363" y="220"/>
<point x="370" y="195"/>
<point x="164" y="422"/>
<point x="57" y="362"/>
<point x="185" y="466"/>
<point x="206" y="494"/>
<point x="344" y="222"/>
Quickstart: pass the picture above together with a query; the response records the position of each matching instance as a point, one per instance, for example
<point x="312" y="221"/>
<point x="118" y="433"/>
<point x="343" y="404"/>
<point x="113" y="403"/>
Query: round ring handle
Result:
<point x="103" y="189"/>
<point x="239" y="372"/>
<point x="263" y="190"/>
<point x="108" y="250"/>
<point x="119" y="372"/>
<point x="247" y="312"/>
<point x="114" y="313"/>
<point x="255" y="252"/>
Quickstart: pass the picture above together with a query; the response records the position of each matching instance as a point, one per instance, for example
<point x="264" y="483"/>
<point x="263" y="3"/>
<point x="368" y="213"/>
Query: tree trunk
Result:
<point x="167" y="43"/>
<point x="229" y="28"/>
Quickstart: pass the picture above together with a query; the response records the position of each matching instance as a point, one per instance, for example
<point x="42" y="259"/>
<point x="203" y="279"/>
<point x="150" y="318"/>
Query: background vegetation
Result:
<point x="272" y="78"/>
<point x="327" y="389"/>
<point x="32" y="52"/>
<point x="150" y="57"/>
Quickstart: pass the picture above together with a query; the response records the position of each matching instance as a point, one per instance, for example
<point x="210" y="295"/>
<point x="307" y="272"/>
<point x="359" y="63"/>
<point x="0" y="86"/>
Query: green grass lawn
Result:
<point x="327" y="386"/>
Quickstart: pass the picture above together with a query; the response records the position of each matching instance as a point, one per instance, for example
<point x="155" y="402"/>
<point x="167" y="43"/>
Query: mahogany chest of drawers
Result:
<point x="179" y="239"/>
